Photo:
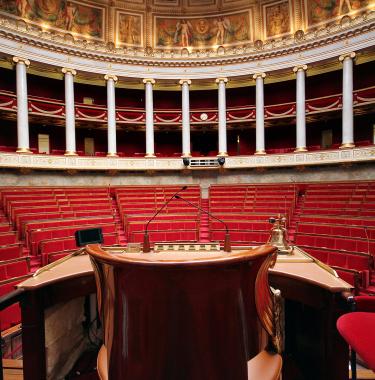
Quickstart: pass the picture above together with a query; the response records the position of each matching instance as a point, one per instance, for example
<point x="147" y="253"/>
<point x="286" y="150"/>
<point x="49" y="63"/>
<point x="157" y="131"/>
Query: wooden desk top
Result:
<point x="298" y="266"/>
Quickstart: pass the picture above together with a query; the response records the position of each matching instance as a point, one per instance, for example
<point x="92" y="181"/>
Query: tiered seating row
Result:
<point x="339" y="220"/>
<point x="178" y="221"/>
<point x="337" y="230"/>
<point x="334" y="242"/>
<point x="37" y="237"/>
<point x="11" y="251"/>
<point x="14" y="268"/>
<point x="360" y="263"/>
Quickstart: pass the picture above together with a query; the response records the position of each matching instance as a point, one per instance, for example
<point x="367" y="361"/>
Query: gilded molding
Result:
<point x="259" y="75"/>
<point x="25" y="61"/>
<point x="350" y="55"/>
<point x="77" y="163"/>
<point x="299" y="68"/>
<point x="149" y="80"/>
<point x="24" y="150"/>
<point x="111" y="76"/>
<point x="347" y="146"/>
<point x="70" y="153"/>
<point x="66" y="70"/>
<point x="248" y="53"/>
<point x="182" y="81"/>
<point x="218" y="80"/>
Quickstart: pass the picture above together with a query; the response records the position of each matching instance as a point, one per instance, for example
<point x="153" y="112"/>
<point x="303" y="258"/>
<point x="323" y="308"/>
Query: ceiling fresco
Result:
<point x="180" y="24"/>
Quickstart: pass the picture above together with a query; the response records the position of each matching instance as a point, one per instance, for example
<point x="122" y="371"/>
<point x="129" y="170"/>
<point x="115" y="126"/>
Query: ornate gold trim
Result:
<point x="150" y="155"/>
<point x="182" y="81"/>
<point x="347" y="146"/>
<point x="259" y="75"/>
<point x="93" y="50"/>
<point x="186" y="155"/>
<point x="222" y="154"/>
<point x="260" y="152"/>
<point x="351" y="55"/>
<point x="66" y="70"/>
<point x="299" y="68"/>
<point x="25" y="61"/>
<point x="24" y="150"/>
<point x="301" y="149"/>
<point x="111" y="76"/>
<point x="112" y="155"/>
<point x="221" y="79"/>
<point x="148" y="80"/>
<point x="70" y="153"/>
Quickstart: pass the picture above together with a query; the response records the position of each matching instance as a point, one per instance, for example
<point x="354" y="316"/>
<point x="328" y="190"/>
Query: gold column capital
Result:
<point x="182" y="81"/>
<point x="259" y="75"/>
<point x="221" y="79"/>
<point x="66" y="70"/>
<point x="25" y="61"/>
<point x="350" y="55"/>
<point x="111" y="76"/>
<point x="299" y="68"/>
<point x="149" y="80"/>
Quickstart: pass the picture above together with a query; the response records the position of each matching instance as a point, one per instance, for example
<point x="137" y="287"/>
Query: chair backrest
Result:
<point x="166" y="315"/>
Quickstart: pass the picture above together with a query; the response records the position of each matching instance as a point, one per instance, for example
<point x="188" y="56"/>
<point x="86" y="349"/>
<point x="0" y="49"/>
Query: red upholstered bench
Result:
<point x="11" y="251"/>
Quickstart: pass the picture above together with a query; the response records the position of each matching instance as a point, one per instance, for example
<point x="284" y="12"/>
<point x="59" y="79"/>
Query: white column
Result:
<point x="300" y="108"/>
<point x="347" y="100"/>
<point x="22" y="106"/>
<point x="222" y="108"/>
<point x="111" y="115"/>
<point x="149" y="117"/>
<point x="70" y="121"/>
<point x="185" y="83"/>
<point x="260" y="146"/>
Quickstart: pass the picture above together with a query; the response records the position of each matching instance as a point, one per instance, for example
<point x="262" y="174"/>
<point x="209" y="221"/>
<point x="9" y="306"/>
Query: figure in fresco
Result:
<point x="22" y="7"/>
<point x="223" y="24"/>
<point x="70" y="12"/>
<point x="183" y="29"/>
<point x="277" y="20"/>
<point x="203" y="34"/>
<point x="129" y="30"/>
<point x="47" y="10"/>
<point x="347" y="2"/>
<point x="319" y="11"/>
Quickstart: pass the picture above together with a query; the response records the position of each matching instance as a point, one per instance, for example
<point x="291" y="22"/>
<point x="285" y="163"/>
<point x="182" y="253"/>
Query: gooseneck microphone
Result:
<point x="146" y="240"/>
<point x="227" y="246"/>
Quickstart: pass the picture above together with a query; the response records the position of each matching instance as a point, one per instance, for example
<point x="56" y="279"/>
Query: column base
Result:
<point x="150" y="155"/>
<point x="24" y="150"/>
<point x="300" y="149"/>
<point x="347" y="146"/>
<point x="260" y="152"/>
<point x="112" y="155"/>
<point x="222" y="154"/>
<point x="70" y="153"/>
<point x="186" y="155"/>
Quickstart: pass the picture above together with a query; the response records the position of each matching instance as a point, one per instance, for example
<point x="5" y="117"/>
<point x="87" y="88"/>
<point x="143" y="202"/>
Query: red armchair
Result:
<point x="357" y="328"/>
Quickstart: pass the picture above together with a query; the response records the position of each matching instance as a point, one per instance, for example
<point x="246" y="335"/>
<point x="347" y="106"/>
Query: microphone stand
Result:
<point x="146" y="239"/>
<point x="227" y="245"/>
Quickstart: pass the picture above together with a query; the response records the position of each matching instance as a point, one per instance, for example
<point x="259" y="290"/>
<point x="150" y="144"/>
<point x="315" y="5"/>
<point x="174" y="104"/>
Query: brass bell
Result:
<point x="278" y="237"/>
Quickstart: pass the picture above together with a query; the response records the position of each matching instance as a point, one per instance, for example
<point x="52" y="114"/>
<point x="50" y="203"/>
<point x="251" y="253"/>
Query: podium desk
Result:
<point x="313" y="300"/>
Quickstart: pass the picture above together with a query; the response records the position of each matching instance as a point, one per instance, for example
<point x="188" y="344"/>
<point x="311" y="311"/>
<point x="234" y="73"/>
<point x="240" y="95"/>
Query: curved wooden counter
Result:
<point x="312" y="304"/>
